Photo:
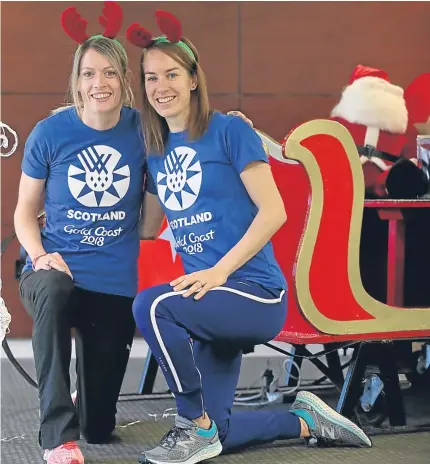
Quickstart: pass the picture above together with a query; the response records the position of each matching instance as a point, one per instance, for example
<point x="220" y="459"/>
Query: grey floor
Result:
<point x="141" y="424"/>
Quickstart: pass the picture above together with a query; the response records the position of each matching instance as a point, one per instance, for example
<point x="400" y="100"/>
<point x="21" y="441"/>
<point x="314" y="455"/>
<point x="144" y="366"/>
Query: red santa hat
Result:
<point x="371" y="100"/>
<point x="361" y="71"/>
<point x="417" y="96"/>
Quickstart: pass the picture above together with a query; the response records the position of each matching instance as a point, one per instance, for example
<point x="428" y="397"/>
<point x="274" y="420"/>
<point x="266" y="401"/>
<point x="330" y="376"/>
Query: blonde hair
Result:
<point x="115" y="54"/>
<point x="155" y="127"/>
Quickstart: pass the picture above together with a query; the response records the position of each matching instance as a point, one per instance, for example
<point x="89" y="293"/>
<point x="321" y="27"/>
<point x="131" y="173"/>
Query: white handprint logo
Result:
<point x="96" y="181"/>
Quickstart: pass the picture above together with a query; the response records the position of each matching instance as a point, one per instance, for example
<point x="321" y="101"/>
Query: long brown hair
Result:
<point x="155" y="127"/>
<point x="115" y="54"/>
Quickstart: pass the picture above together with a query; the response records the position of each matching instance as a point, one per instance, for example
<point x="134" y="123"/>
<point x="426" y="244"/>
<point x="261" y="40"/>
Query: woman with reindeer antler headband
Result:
<point x="89" y="161"/>
<point x="209" y="174"/>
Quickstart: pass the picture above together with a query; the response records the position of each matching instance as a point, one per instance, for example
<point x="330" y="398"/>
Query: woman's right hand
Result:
<point x="52" y="261"/>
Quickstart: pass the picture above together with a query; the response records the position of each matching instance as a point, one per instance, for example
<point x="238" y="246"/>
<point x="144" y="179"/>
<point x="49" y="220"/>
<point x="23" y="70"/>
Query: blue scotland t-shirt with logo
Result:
<point x="93" y="196"/>
<point x="206" y="203"/>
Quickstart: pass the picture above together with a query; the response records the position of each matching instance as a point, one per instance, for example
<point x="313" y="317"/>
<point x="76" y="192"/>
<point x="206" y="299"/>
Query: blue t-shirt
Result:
<point x="94" y="187"/>
<point x="205" y="201"/>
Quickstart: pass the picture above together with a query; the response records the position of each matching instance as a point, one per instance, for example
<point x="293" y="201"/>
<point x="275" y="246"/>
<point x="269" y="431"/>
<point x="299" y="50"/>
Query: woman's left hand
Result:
<point x="199" y="282"/>
<point x="241" y="115"/>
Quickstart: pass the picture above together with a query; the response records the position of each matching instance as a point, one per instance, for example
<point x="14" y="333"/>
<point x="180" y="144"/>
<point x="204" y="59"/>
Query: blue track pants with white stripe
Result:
<point x="198" y="346"/>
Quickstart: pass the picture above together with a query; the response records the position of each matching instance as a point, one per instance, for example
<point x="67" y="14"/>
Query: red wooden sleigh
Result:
<point x="321" y="182"/>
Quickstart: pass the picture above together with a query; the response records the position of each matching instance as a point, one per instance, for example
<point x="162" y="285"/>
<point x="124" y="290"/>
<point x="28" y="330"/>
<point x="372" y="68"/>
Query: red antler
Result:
<point x="138" y="35"/>
<point x="112" y="19"/>
<point x="169" y="25"/>
<point x="74" y="25"/>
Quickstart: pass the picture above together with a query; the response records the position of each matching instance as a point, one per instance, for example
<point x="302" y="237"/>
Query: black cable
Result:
<point x="5" y="243"/>
<point x="311" y="356"/>
<point x="324" y="377"/>
<point x="5" y="345"/>
<point x="17" y="365"/>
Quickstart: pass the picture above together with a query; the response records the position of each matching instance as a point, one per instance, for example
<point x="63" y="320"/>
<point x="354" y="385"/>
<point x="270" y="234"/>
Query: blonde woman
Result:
<point x="87" y="161"/>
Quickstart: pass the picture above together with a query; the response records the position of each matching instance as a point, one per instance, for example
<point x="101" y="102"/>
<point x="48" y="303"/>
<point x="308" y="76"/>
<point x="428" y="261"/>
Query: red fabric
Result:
<point x="169" y="25"/>
<point x="374" y="176"/>
<point x="112" y="19"/>
<point x="374" y="180"/>
<point x="155" y="263"/>
<point x="364" y="71"/>
<point x="74" y="25"/>
<point x="138" y="35"/>
<point x="417" y="97"/>
<point x="390" y="143"/>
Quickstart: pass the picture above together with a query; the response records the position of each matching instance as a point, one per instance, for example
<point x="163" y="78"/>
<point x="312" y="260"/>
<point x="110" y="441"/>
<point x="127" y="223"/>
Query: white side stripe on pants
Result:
<point x="169" y="294"/>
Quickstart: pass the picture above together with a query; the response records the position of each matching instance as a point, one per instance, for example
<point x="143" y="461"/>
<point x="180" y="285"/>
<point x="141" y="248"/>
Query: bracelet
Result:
<point x="34" y="261"/>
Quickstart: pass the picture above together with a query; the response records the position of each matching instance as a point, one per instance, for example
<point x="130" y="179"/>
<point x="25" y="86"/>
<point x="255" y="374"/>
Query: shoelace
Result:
<point x="171" y="437"/>
<point x="70" y="445"/>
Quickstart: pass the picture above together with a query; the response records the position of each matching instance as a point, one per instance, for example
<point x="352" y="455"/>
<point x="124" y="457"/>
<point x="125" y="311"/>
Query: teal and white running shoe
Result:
<point x="327" y="426"/>
<point x="185" y="443"/>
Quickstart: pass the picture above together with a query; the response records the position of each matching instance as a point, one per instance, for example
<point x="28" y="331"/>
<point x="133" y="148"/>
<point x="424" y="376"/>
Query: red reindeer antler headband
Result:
<point x="168" y="24"/>
<point x="75" y="26"/>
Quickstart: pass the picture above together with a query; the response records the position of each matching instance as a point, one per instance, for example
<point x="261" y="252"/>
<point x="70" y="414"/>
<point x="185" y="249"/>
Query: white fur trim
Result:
<point x="372" y="136"/>
<point x="372" y="101"/>
<point x="378" y="161"/>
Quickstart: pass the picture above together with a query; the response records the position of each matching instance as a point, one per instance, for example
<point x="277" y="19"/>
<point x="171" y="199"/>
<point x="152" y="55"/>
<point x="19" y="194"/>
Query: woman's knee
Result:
<point x="54" y="292"/>
<point x="59" y="283"/>
<point x="145" y="304"/>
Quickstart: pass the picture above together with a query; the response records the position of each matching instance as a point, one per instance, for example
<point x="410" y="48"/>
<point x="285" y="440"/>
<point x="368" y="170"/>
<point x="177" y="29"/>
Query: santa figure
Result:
<point x="374" y="112"/>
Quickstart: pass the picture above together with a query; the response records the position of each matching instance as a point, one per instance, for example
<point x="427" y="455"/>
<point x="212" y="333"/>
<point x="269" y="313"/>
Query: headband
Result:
<point x="168" y="24"/>
<point x="75" y="27"/>
<point x="183" y="45"/>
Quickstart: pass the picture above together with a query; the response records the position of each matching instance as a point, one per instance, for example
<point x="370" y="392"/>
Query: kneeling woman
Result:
<point x="209" y="174"/>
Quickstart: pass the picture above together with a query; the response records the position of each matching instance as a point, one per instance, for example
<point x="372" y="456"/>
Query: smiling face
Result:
<point x="99" y="84"/>
<point x="168" y="86"/>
